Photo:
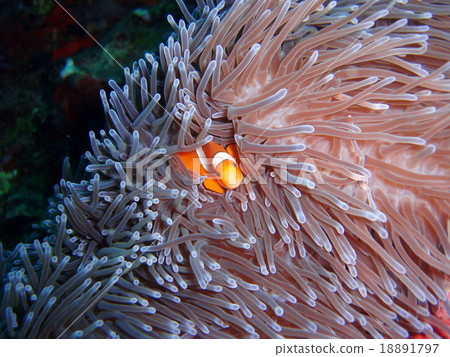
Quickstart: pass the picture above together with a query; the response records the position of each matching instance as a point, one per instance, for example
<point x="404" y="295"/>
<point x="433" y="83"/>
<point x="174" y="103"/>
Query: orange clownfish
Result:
<point x="218" y="164"/>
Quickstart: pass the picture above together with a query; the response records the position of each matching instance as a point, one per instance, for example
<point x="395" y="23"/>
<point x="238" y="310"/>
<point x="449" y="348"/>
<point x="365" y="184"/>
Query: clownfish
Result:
<point x="218" y="164"/>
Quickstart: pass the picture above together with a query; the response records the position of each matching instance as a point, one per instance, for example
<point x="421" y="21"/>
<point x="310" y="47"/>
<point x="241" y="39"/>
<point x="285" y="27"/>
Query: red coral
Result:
<point x="68" y="49"/>
<point x="440" y="322"/>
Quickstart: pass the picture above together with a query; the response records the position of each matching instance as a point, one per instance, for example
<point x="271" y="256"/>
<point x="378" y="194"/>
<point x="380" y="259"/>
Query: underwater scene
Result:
<point x="225" y="169"/>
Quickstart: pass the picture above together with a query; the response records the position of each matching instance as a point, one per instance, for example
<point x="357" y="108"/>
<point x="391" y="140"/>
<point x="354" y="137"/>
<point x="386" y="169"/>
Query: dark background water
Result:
<point x="51" y="71"/>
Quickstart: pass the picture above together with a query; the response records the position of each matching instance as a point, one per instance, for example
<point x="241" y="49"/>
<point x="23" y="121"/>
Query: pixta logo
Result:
<point x="148" y="167"/>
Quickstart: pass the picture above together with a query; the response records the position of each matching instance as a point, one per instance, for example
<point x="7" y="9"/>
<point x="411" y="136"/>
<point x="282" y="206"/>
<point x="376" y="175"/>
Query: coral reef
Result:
<point x="341" y="119"/>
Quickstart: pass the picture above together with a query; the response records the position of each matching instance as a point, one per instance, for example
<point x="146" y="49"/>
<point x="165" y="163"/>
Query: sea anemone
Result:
<point x="340" y="115"/>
